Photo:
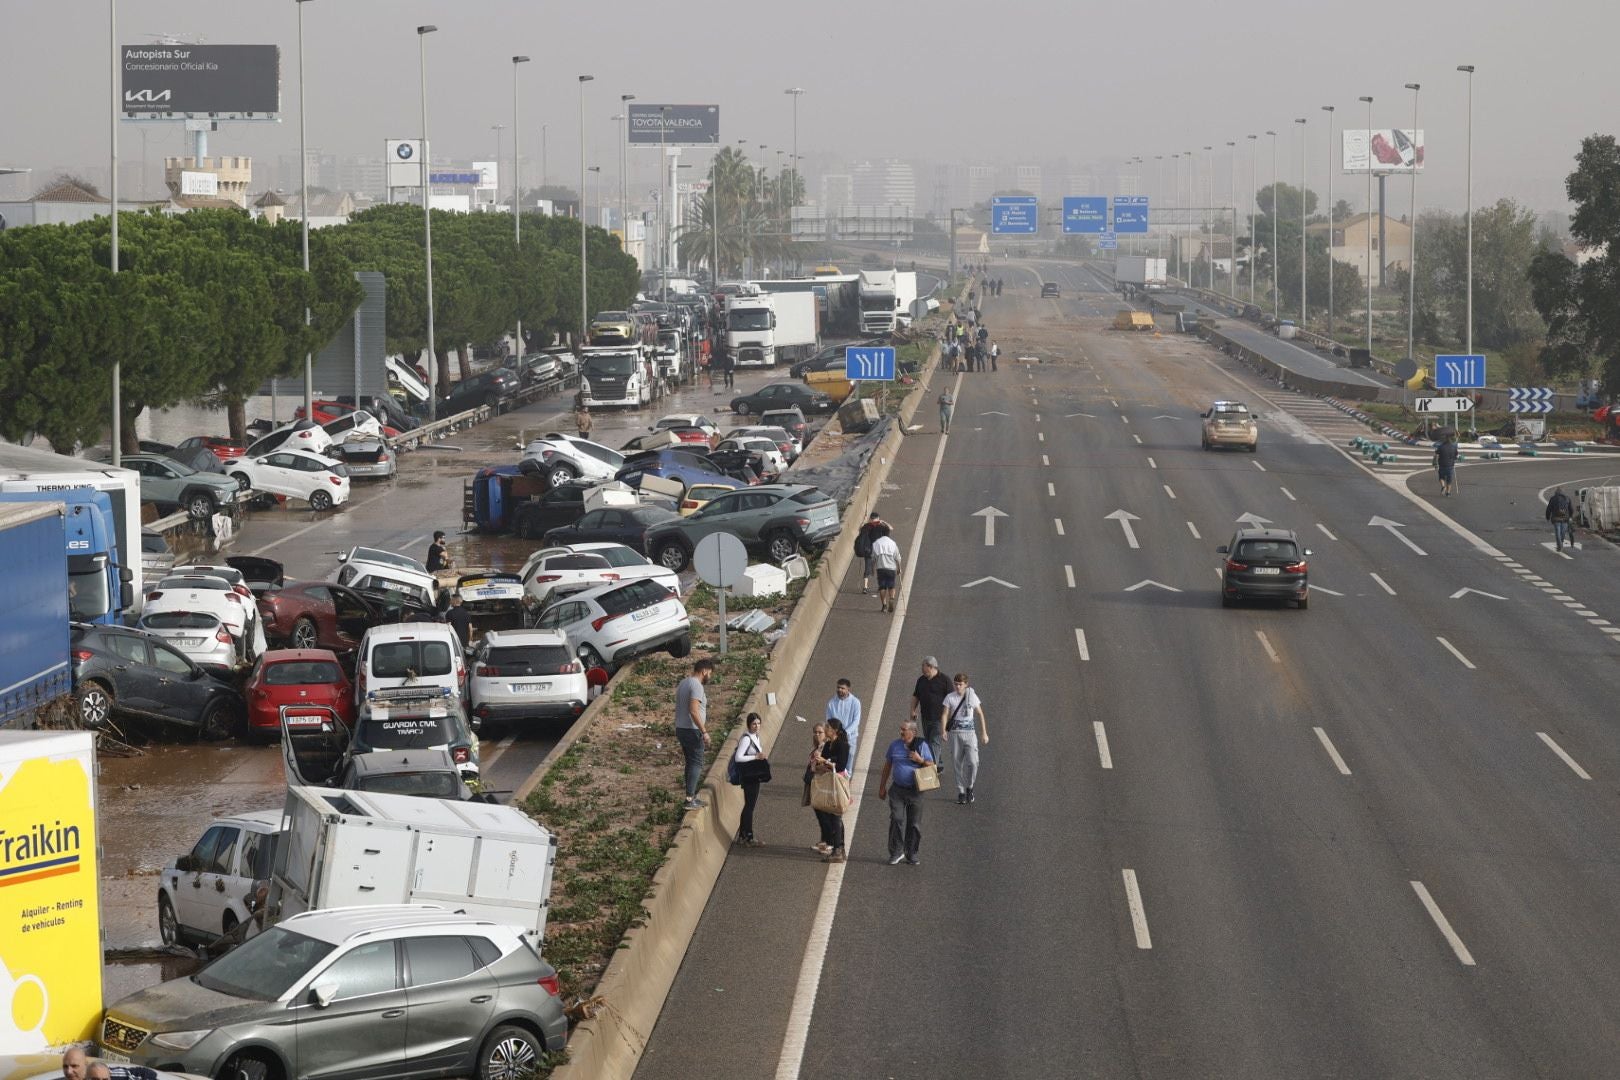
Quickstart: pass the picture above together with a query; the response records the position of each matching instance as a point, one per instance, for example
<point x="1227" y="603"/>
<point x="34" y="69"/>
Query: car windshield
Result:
<point x="405" y="732"/>
<point x="525" y="660"/>
<point x="619" y="556"/>
<point x="87" y="594"/>
<point x="633" y="597"/>
<point x="264" y="966"/>
<point x="611" y="364"/>
<point x="410" y="659"/>
<point x="178" y="620"/>
<point x="303" y="673"/>
<point x="810" y="497"/>
<point x="433" y="785"/>
<point x="613" y="317"/>
<point x="196" y="581"/>
<point x="749" y="320"/>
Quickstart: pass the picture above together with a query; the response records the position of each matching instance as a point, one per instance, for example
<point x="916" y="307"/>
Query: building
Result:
<point x="62" y="202"/>
<point x="837" y="191"/>
<point x="232" y="175"/>
<point x="981" y="184"/>
<point x="327" y="208"/>
<point x="1028" y="178"/>
<point x="1350" y="242"/>
<point x="885" y="183"/>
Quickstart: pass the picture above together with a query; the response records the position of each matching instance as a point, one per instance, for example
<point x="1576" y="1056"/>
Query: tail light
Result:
<point x="1295" y="568"/>
<point x="547" y="577"/>
<point x="337" y="481"/>
<point x="802" y="522"/>
<point x="1232" y="565"/>
<point x="486" y="671"/>
<point x="381" y="457"/>
<point x="224" y="635"/>
<point x="154" y="595"/>
<point x="597" y="624"/>
<point x="241" y="590"/>
<point x="233" y="598"/>
<point x="690" y="504"/>
<point x="83" y="656"/>
<point x="609" y="577"/>
<point x="461" y="755"/>
<point x="551" y="984"/>
<point x="571" y="668"/>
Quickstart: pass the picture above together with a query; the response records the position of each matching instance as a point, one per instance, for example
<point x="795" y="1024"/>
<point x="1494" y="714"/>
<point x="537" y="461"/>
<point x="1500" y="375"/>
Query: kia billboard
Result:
<point x="241" y="81"/>
<point x="1383" y="150"/>
<point x="674" y="125"/>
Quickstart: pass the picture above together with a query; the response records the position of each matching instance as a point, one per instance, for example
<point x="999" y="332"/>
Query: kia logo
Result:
<point x="150" y="96"/>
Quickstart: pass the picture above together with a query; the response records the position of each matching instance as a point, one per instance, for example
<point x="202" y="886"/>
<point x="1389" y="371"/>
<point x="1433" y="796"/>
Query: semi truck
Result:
<point x="35" y="666"/>
<point x="1139" y="271"/>
<point x="886" y="299"/>
<point x="25" y="469"/>
<point x="99" y="586"/>
<point x="617" y="376"/>
<point x="772" y="328"/>
<point x="838" y="299"/>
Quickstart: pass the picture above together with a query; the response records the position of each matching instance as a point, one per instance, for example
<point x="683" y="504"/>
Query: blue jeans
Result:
<point x="1562" y="534"/>
<point x="691" y="740"/>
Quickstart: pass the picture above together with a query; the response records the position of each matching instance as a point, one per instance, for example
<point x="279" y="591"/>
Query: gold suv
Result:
<point x="1230" y="423"/>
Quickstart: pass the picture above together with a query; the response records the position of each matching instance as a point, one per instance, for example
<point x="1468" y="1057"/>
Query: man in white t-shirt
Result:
<point x="886" y="563"/>
<point x="959" y="713"/>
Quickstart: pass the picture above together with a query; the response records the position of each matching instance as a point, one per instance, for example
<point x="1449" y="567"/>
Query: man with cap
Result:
<point x="927" y="703"/>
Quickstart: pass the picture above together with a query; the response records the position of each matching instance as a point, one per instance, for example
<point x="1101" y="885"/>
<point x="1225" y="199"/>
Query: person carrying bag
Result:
<point x="829" y="789"/>
<point x="749" y="768"/>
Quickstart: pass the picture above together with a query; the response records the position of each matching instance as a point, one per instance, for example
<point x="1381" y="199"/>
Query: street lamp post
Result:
<point x="1158" y="196"/>
<point x="517" y="179"/>
<point x="584" y="258"/>
<point x="112" y="207"/>
<point x="427" y="228"/>
<point x="1468" y="346"/>
<point x="1369" y="266"/>
<point x="1411" y="250"/>
<point x="1175" y="233"/>
<point x="1254" y="197"/>
<point x="1276" y="296"/>
<point x="1209" y="203"/>
<point x="303" y="202"/>
<point x="793" y="188"/>
<point x="1231" y="169"/>
<point x="1329" y="110"/>
<point x="663" y="203"/>
<point x="624" y="169"/>
<point x="1304" y="316"/>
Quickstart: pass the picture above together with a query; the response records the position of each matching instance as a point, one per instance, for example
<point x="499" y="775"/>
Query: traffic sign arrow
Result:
<point x="1125" y="517"/>
<point x="1253" y="519"/>
<point x="989" y="514"/>
<point x="1460" y="593"/>
<point x="1391" y="526"/>
<point x="1155" y="584"/>
<point x="1070" y="416"/>
<point x="995" y="580"/>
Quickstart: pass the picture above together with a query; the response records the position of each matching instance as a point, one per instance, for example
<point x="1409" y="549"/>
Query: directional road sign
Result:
<point x="870" y="364"/>
<point x="1130" y="213"/>
<point x="1530" y="399"/>
<point x="1085" y="214"/>
<point x="1444" y="404"/>
<point x="1459" y="372"/>
<point x="1108" y="242"/>
<point x="1015" y="215"/>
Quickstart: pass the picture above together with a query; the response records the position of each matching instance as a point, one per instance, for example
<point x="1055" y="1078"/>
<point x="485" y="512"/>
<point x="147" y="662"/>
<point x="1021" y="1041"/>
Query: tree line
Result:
<point x="209" y="305"/>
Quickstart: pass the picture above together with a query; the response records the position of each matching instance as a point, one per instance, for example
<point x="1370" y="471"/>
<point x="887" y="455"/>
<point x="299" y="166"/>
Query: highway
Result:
<point x="1374" y="838"/>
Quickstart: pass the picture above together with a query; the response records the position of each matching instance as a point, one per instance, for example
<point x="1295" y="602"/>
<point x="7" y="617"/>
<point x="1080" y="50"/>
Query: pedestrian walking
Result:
<point x="947" y="406"/>
<point x="886" y="561"/>
<point x="753" y="769"/>
<point x="582" y="419"/>
<point x="692" y="727"/>
<point x="995" y="354"/>
<point x="1445" y="462"/>
<point x="830" y="754"/>
<point x="863" y="547"/>
<point x="927" y="701"/>
<point x="845" y="707"/>
<point x="1561" y="512"/>
<point x="438" y="556"/>
<point x="958" y="712"/>
<point x="898" y="785"/>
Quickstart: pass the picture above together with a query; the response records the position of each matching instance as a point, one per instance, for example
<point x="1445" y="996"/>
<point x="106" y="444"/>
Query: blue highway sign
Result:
<point x="1459" y="372"/>
<point x="871" y="364"/>
<point x="1130" y="213"/>
<point x="1085" y="214"/>
<point x="1108" y="242"/>
<point x="1015" y="215"/>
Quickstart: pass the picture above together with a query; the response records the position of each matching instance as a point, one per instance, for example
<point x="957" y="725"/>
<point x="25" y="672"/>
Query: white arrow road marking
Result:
<point x="1383" y="584"/>
<point x="995" y="580"/>
<point x="1391" y="526"/>
<point x="1327" y="744"/>
<point x="1325" y="532"/>
<point x="1194" y="530"/>
<point x="1550" y="546"/>
<point x="1559" y="750"/>
<point x="1133" y="899"/>
<point x="1071" y="416"/>
<point x="989" y="514"/>
<point x="1125" y="517"/>
<point x="1452" y="649"/>
<point x="1253" y="519"/>
<point x="1103" y="755"/>
<point x="993" y="412"/>
<point x="1440" y="921"/>
<point x="1149" y="581"/>
<point x="1265" y="643"/>
<point x="1460" y="593"/>
<point x="1330" y="592"/>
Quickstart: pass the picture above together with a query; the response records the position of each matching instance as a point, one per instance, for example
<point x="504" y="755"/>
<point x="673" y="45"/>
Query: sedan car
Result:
<point x="679" y="422"/>
<point x="487" y="389"/>
<point x="118" y="671"/>
<point x="218" y="445"/>
<point x="774" y="519"/>
<point x="167" y="482"/>
<point x="625" y="525"/>
<point x="782" y="395"/>
<point x="786" y="444"/>
<point x="294" y="679"/>
<point x="1265" y="563"/>
<point x="365" y="456"/>
<point x="1230" y="423"/>
<point x="298" y="474"/>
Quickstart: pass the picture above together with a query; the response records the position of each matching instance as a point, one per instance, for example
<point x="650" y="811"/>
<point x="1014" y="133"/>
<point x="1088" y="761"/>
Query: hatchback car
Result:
<point x="555" y="567"/>
<point x="198" y="634"/>
<point x="525" y="675"/>
<point x="122" y="671"/>
<point x="614" y="328"/>
<point x="782" y="395"/>
<point x="487" y="389"/>
<point x="1266" y="564"/>
<point x="628" y="564"/>
<point x="211" y="890"/>
<point x="700" y="495"/>
<point x="1230" y="423"/>
<point x="428" y="728"/>
<point x="299" y="435"/>
<point x="389" y="991"/>
<point x="218" y="445"/>
<point x="784" y="440"/>
<point x="561" y="458"/>
<point x="684" y="467"/>
<point x="167" y="483"/>
<point x="296" y="679"/>
<point x="325" y="615"/>
<point x="613" y="624"/>
<point x="791" y="421"/>
<point x="298" y="474"/>
<point x="776" y="520"/>
<point x="232" y="604"/>
<point x="772" y="457"/>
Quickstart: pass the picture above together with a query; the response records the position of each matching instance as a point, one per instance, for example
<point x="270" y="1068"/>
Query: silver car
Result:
<point x="198" y="634"/>
<point x="388" y="991"/>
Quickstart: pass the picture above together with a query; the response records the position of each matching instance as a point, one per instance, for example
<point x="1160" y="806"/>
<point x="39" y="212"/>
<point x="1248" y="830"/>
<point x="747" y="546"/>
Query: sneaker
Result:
<point x="961" y="798"/>
<point x="755" y="842"/>
<point x="970" y="794"/>
<point x="695" y="804"/>
<point x="836" y="856"/>
<point x="896" y="860"/>
<point x="911" y="860"/>
<point x="823" y="849"/>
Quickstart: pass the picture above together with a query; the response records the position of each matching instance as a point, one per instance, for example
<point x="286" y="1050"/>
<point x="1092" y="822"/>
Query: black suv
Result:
<point x="1265" y="563"/>
<point x="489" y="388"/>
<point x="1049" y="288"/>
<point x="121" y="671"/>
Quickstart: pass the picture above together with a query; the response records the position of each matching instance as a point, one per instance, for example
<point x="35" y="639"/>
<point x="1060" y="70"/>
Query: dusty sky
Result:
<point x="1016" y="80"/>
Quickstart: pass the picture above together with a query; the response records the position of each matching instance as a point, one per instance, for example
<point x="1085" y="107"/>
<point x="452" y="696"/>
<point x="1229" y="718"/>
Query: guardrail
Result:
<point x="1274" y="370"/>
<point x="438" y="429"/>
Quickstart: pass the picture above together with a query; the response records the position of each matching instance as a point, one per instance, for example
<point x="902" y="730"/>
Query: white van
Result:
<point x="408" y="667"/>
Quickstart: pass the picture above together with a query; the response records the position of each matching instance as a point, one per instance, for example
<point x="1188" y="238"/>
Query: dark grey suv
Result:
<point x="1265" y="563"/>
<point x="352" y="993"/>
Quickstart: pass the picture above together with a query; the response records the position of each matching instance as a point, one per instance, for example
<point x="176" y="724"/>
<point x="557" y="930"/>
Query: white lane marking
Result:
<point x="1033" y="401"/>
<point x="1194" y="530"/>
<point x="1115" y="404"/>
<point x="797" y="1035"/>
<point x="486" y="760"/>
<point x="1137" y="437"/>
<point x="1327" y="744"/>
<point x="1051" y="490"/>
<point x="1045" y="460"/>
<point x="1068" y="575"/>
<point x="1152" y="464"/>
<point x="1559" y="750"/>
<point x="1168" y="492"/>
<point x="1125" y="418"/>
<point x="296" y="533"/>
<point x="1394" y="529"/>
<point x="1265" y="643"/>
<point x="1080" y="643"/>
<point x="410" y="545"/>
<point x="1452" y="649"/>
<point x="1059" y="523"/>
<point x="1103" y="755"/>
<point x="1133" y="899"/>
<point x="1330" y="592"/>
<point x="1288" y="493"/>
<point x="1037" y="418"/>
<point x="1257" y="465"/>
<point x="1562" y="596"/>
<point x="1445" y="927"/>
<point x="1325" y="532"/>
<point x="1040" y="436"/>
<point x="1465" y="590"/>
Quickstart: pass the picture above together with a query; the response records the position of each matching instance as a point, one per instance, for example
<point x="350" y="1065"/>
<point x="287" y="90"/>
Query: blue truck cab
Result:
<point x="100" y="585"/>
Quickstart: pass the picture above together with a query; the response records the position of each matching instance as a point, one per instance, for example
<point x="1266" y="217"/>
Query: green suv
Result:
<point x="776" y="520"/>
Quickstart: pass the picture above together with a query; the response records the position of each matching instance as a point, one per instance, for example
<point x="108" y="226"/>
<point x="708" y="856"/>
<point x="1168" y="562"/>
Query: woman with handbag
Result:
<point x="753" y="769"/>
<point x="829" y="763"/>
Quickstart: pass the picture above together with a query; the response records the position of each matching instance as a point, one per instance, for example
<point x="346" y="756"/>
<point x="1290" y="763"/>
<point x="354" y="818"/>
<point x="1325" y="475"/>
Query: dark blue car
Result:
<point x="672" y="463"/>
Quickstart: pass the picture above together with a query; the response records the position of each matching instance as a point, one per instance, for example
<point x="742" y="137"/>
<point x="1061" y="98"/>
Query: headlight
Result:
<point x="180" y="1040"/>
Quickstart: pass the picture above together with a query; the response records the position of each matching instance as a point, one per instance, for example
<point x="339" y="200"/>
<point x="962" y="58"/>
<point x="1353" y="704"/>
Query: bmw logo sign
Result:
<point x="404" y="151"/>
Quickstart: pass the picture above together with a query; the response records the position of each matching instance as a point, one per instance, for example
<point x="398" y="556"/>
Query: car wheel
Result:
<point x="493" y="404"/>
<point x="168" y="925"/>
<point x="305" y="635"/>
<point x="510" y="1053"/>
<point x="741" y="408"/>
<point x="246" y="1066"/>
<point x="781" y="546"/>
<point x="227" y="924"/>
<point x="1254" y="447"/>
<point x="591" y="658"/>
<point x="242" y="480"/>
<point x="200" y="505"/>
<point x="681" y="646"/>
<point x="95" y="705"/>
<point x="220" y="720"/>
<point x="671" y="555"/>
<point x="560" y="474"/>
<point x="320" y="501"/>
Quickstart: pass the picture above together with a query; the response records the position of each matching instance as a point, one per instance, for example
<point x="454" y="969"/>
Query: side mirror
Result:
<point x="126" y="597"/>
<point x="323" y="993"/>
<point x="125" y="574"/>
<point x="1223" y="550"/>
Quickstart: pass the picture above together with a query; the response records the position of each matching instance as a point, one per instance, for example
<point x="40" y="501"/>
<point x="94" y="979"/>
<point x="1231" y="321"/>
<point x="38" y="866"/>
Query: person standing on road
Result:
<point x="957" y="714"/>
<point x="863" y="547"/>
<point x="438" y="556"/>
<point x="995" y="354"/>
<point x="831" y="754"/>
<point x="749" y="749"/>
<point x="1561" y="512"/>
<point x="459" y="619"/>
<point x="927" y="700"/>
<point x="1445" y="462"/>
<point x="947" y="406"/>
<point x="898" y="785"/>
<point x="582" y="418"/>
<point x="845" y="707"/>
<point x="692" y="726"/>
<point x="886" y="561"/>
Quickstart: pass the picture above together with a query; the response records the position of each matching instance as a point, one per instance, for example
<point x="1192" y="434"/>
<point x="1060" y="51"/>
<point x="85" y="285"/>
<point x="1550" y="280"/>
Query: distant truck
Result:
<point x="99" y="586"/>
<point x="751" y="330"/>
<point x="34" y="663"/>
<point x="886" y="299"/>
<point x="1140" y="271"/>
<point x="617" y="376"/>
<point x="798" y="327"/>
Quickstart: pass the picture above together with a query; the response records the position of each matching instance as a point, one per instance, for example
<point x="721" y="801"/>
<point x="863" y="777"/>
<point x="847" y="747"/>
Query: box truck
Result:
<point x="34" y="661"/>
<point x="1142" y="271"/>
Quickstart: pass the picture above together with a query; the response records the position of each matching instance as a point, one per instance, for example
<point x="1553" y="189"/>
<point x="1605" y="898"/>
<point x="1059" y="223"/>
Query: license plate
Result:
<point x="644" y="613"/>
<point x="1268" y="570"/>
<point x="530" y="687"/>
<point x="114" y="1058"/>
<point x="188" y="642"/>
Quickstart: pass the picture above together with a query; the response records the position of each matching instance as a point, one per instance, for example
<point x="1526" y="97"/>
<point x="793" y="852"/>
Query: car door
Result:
<point x="449" y="997"/>
<point x="755" y="509"/>
<point x="279" y="474"/>
<point x="569" y="613"/>
<point x="210" y="880"/>
<point x="351" y="617"/>
<point x="360" y="1033"/>
<point x="600" y="525"/>
<point x="183" y="691"/>
<point x="560" y="506"/>
<point x="713" y="517"/>
<point x="185" y="886"/>
<point x="134" y="679"/>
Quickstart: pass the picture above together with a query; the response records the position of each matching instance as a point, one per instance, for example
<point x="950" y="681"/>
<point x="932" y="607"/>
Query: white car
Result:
<point x="697" y="420"/>
<point x="234" y="607"/>
<point x="628" y="564"/>
<point x="775" y="460"/>
<point x="551" y="568"/>
<point x="299" y="435"/>
<point x="205" y="893"/>
<point x="561" y="458"/>
<point x="378" y="573"/>
<point x="612" y="624"/>
<point x="297" y="474"/>
<point x="525" y="675"/>
<point x="199" y="634"/>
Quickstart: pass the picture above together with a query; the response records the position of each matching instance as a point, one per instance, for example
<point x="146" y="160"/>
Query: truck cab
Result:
<point x="672" y="354"/>
<point x="100" y="587"/>
<point x="615" y="376"/>
<point x="751" y="331"/>
<point x="878" y="301"/>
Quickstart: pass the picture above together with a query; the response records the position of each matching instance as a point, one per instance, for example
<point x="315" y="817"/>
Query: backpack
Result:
<point x="863" y="544"/>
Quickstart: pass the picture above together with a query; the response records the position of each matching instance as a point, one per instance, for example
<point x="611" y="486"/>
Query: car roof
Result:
<point x="380" y="557"/>
<point x="1265" y="534"/>
<point x="339" y="925"/>
<point x="271" y="818"/>
<point x="375" y="762"/>
<point x="510" y="638"/>
<point x="409" y="631"/>
<point x="291" y="656"/>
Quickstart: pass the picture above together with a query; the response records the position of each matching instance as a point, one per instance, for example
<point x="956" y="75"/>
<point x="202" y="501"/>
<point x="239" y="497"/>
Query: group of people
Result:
<point x="76" y="1065"/>
<point x="880" y="555"/>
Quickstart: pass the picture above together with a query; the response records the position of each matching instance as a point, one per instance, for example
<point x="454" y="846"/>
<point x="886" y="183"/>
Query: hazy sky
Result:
<point x="1010" y="81"/>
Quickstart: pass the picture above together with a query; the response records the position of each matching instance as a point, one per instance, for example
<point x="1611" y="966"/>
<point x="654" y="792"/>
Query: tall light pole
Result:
<point x="1368" y="102"/>
<point x="1158" y="195"/>
<point x="1468" y="346"/>
<point x="1231" y="168"/>
<point x="1329" y="110"/>
<point x="427" y="228"/>
<point x="1303" y="315"/>
<point x="303" y="202"/>
<point x="517" y="179"/>
<point x="584" y="258"/>
<point x="1175" y="233"/>
<point x="1276" y="296"/>
<point x="793" y="187"/>
<point x="1254" y="199"/>
<point x="1209" y="201"/>
<point x="498" y="129"/>
<point x="624" y="171"/>
<point x="1411" y="249"/>
<point x="113" y="99"/>
<point x="663" y="203"/>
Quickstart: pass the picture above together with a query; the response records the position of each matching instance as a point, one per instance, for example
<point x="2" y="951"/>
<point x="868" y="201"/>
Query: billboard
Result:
<point x="232" y="81"/>
<point x="404" y="157"/>
<point x="677" y="125"/>
<point x="1383" y="150"/>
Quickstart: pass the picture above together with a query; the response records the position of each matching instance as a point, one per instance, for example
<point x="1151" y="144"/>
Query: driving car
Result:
<point x="1230" y="423"/>
<point x="221" y="447"/>
<point x="296" y="678"/>
<point x="678" y="466"/>
<point x="319" y="993"/>
<point x="198" y="634"/>
<point x="525" y="675"/>
<point x="782" y="395"/>
<point x="625" y="525"/>
<point x="209" y="891"/>
<point x="169" y="483"/>
<point x="561" y="458"/>
<point x="298" y="474"/>
<point x="777" y="520"/>
<point x="1049" y="289"/>
<point x="613" y="624"/>
<point x="122" y="671"/>
<point x="1266" y="564"/>
<point x="299" y="435"/>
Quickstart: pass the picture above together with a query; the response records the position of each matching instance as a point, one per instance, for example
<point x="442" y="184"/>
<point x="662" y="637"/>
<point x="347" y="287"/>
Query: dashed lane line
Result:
<point x="1453" y="650"/>
<point x="1559" y="750"/>
<point x="1327" y="744"/>
<point x="1133" y="899"/>
<point x="1103" y="756"/>
<point x="1265" y="643"/>
<point x="1444" y="925"/>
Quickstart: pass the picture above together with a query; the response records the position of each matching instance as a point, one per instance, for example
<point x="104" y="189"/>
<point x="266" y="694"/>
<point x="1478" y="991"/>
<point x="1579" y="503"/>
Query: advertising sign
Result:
<point x="488" y="174"/>
<point x="231" y="81"/>
<point x="1130" y="213"/>
<point x="678" y="125"/>
<point x="1085" y="214"/>
<point x="463" y="178"/>
<point x="404" y="157"/>
<point x="199" y="183"/>
<point x="1383" y="150"/>
<point x="1015" y="215"/>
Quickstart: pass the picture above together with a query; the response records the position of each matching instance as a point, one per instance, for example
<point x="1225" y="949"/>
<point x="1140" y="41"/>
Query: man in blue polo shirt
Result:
<point x="898" y="784"/>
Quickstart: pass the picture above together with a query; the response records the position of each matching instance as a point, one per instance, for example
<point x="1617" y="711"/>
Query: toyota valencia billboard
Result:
<point x="674" y="125"/>
<point x="242" y="81"/>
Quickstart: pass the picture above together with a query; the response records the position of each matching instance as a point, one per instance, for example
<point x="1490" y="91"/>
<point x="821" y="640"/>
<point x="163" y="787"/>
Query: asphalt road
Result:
<point x="1374" y="838"/>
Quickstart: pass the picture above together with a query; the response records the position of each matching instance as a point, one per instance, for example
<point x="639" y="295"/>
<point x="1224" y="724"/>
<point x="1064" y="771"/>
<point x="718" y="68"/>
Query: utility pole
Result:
<point x="1329" y="110"/>
<point x="1369" y="223"/>
<point x="1411" y="253"/>
<point x="1304" y="316"/>
<point x="1276" y="296"/>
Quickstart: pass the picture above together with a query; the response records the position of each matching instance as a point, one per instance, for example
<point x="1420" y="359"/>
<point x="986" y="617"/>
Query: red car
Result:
<point x="327" y="411"/>
<point x="295" y="679"/>
<point x="324" y="615"/>
<point x="218" y="445"/>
